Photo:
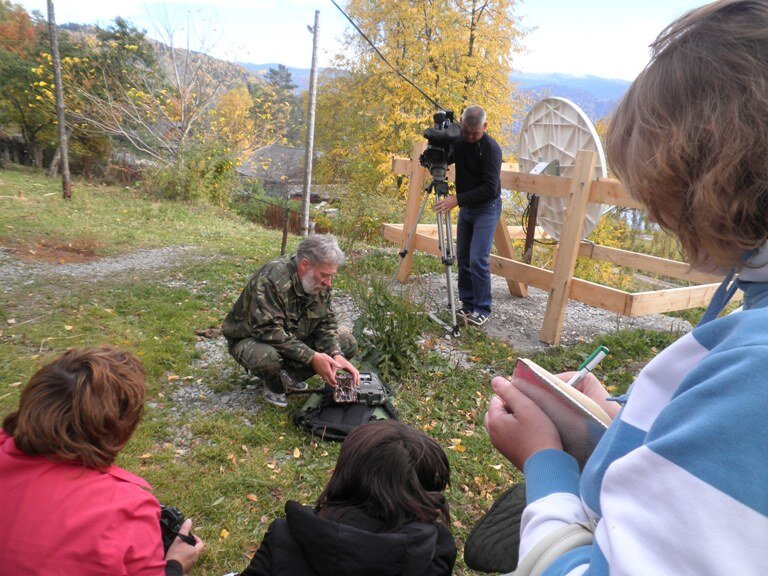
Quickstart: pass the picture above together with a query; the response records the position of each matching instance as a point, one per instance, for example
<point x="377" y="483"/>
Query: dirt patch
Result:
<point x="52" y="251"/>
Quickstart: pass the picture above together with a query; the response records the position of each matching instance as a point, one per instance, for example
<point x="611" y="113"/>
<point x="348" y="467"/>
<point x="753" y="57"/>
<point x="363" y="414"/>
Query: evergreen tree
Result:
<point x="284" y="93"/>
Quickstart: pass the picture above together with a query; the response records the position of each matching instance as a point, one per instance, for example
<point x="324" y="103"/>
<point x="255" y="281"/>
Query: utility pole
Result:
<point x="310" y="130"/>
<point x="66" y="185"/>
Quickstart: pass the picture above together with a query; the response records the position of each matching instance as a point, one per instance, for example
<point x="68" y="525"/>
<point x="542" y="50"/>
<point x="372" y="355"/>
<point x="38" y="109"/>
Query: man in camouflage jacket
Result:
<point x="282" y="327"/>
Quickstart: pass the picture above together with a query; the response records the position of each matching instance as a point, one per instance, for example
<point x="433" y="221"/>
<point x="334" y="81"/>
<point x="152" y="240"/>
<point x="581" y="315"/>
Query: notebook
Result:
<point x="579" y="419"/>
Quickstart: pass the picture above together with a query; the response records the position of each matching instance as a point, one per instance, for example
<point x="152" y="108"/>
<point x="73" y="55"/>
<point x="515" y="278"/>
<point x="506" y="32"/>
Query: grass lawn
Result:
<point x="230" y="470"/>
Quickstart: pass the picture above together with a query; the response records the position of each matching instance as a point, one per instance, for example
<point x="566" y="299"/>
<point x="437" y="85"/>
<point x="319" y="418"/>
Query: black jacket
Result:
<point x="478" y="171"/>
<point x="303" y="544"/>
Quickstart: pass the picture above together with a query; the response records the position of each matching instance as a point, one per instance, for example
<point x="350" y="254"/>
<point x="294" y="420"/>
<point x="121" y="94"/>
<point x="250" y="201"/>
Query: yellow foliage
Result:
<point x="459" y="52"/>
<point x="232" y="121"/>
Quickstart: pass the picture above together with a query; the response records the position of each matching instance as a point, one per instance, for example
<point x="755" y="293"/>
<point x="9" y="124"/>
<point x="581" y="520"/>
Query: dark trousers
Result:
<point x="265" y="361"/>
<point x="474" y="239"/>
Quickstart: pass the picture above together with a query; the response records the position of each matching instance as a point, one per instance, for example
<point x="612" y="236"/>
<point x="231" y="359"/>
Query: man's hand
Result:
<point x="447" y="204"/>
<point x="185" y="554"/>
<point x="326" y="367"/>
<point x="516" y="425"/>
<point x="347" y="365"/>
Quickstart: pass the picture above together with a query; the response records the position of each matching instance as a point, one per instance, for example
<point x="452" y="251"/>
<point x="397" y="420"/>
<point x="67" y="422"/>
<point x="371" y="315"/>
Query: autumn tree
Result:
<point x="249" y="117"/>
<point x="21" y="39"/>
<point x="457" y="51"/>
<point x="154" y="96"/>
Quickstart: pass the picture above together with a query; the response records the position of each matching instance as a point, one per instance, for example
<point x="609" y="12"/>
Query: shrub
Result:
<point x="388" y="329"/>
<point x="204" y="173"/>
<point x="362" y="214"/>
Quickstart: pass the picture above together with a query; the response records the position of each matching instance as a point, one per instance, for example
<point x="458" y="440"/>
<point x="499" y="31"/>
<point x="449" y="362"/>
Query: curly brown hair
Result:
<point x="690" y="137"/>
<point x="84" y="406"/>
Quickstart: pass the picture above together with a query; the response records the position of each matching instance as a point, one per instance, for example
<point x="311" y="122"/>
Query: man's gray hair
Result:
<point x="321" y="249"/>
<point x="473" y="116"/>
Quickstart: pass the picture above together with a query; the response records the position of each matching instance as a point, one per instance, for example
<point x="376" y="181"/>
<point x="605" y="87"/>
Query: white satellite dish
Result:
<point x="556" y="129"/>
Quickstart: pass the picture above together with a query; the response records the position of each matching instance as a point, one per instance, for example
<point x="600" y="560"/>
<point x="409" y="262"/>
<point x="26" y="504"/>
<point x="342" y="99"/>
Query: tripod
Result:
<point x="439" y="186"/>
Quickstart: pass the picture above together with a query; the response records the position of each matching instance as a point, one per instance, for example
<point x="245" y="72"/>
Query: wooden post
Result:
<point x="286" y="224"/>
<point x="570" y="238"/>
<point x="416" y="177"/>
<point x="504" y="248"/>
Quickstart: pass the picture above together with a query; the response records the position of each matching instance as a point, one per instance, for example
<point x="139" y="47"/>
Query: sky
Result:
<point x="606" y="38"/>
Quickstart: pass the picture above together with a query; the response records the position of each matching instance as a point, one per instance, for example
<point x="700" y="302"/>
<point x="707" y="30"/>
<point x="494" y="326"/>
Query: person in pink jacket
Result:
<point x="65" y="508"/>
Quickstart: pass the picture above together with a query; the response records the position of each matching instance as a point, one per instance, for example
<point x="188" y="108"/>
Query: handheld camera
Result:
<point x="171" y="520"/>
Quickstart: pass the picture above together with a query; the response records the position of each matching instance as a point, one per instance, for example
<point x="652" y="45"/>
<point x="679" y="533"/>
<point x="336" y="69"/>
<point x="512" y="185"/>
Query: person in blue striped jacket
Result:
<point x="679" y="483"/>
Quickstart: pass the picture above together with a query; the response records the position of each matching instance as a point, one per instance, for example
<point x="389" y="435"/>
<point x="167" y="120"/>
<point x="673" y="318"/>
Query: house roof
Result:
<point x="275" y="163"/>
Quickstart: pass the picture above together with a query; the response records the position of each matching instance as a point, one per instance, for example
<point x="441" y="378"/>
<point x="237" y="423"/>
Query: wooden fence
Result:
<point x="577" y="190"/>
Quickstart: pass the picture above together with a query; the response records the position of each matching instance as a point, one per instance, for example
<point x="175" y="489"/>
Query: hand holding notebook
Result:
<point x="579" y="420"/>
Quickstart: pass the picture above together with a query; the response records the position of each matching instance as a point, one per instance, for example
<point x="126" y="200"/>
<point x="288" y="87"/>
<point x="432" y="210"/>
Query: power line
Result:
<point x="395" y="70"/>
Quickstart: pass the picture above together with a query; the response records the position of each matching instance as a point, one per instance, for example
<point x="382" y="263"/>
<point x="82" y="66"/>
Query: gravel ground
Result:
<point x="518" y="321"/>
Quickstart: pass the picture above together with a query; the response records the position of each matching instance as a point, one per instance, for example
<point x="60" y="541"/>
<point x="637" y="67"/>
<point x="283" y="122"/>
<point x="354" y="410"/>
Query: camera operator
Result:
<point x="65" y="508"/>
<point x="477" y="157"/>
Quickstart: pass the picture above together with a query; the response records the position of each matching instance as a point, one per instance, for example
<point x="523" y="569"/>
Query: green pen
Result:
<point x="588" y="365"/>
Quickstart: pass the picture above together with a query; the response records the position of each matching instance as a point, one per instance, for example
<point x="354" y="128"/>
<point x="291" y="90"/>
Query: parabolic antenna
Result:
<point x="556" y="129"/>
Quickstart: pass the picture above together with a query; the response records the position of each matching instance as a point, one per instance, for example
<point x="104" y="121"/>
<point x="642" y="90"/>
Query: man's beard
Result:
<point x="309" y="284"/>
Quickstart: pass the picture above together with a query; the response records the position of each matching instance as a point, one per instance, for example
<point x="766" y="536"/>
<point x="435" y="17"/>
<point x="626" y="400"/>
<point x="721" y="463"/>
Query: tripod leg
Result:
<point x="445" y="238"/>
<point x="450" y="259"/>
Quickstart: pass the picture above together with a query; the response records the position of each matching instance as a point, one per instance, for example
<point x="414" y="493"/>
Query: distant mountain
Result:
<point x="596" y="96"/>
<point x="300" y="76"/>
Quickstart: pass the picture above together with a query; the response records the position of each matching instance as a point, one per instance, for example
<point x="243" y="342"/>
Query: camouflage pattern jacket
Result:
<point x="274" y="309"/>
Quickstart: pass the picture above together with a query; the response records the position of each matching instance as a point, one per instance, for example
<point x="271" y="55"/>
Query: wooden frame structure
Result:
<point x="578" y="190"/>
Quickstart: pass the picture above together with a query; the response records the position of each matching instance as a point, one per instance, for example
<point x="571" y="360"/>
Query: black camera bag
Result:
<point x="323" y="417"/>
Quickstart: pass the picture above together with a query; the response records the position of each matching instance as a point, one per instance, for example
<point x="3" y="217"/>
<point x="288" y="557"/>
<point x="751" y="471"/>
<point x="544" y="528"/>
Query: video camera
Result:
<point x="441" y="138"/>
<point x="171" y="520"/>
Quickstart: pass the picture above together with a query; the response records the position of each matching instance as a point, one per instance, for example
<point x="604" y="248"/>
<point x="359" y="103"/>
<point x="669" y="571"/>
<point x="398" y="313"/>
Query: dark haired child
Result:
<point x="383" y="512"/>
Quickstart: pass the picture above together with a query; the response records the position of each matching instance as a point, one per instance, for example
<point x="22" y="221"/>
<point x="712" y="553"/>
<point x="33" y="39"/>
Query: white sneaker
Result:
<point x="478" y="318"/>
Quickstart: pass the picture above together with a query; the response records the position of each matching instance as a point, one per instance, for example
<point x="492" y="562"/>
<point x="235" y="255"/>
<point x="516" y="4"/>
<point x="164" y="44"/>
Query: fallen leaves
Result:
<point x="457" y="445"/>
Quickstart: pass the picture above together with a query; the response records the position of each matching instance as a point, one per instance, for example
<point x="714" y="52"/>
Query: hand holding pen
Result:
<point x="588" y="365"/>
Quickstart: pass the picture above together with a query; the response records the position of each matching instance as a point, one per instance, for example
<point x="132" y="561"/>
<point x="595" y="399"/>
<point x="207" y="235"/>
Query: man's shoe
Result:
<point x="290" y="383"/>
<point x="275" y="398"/>
<point x="463" y="312"/>
<point x="477" y="318"/>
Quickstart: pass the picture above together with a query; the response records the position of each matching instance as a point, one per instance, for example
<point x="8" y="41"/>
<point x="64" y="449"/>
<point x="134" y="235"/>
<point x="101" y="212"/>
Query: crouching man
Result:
<point x="282" y="327"/>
